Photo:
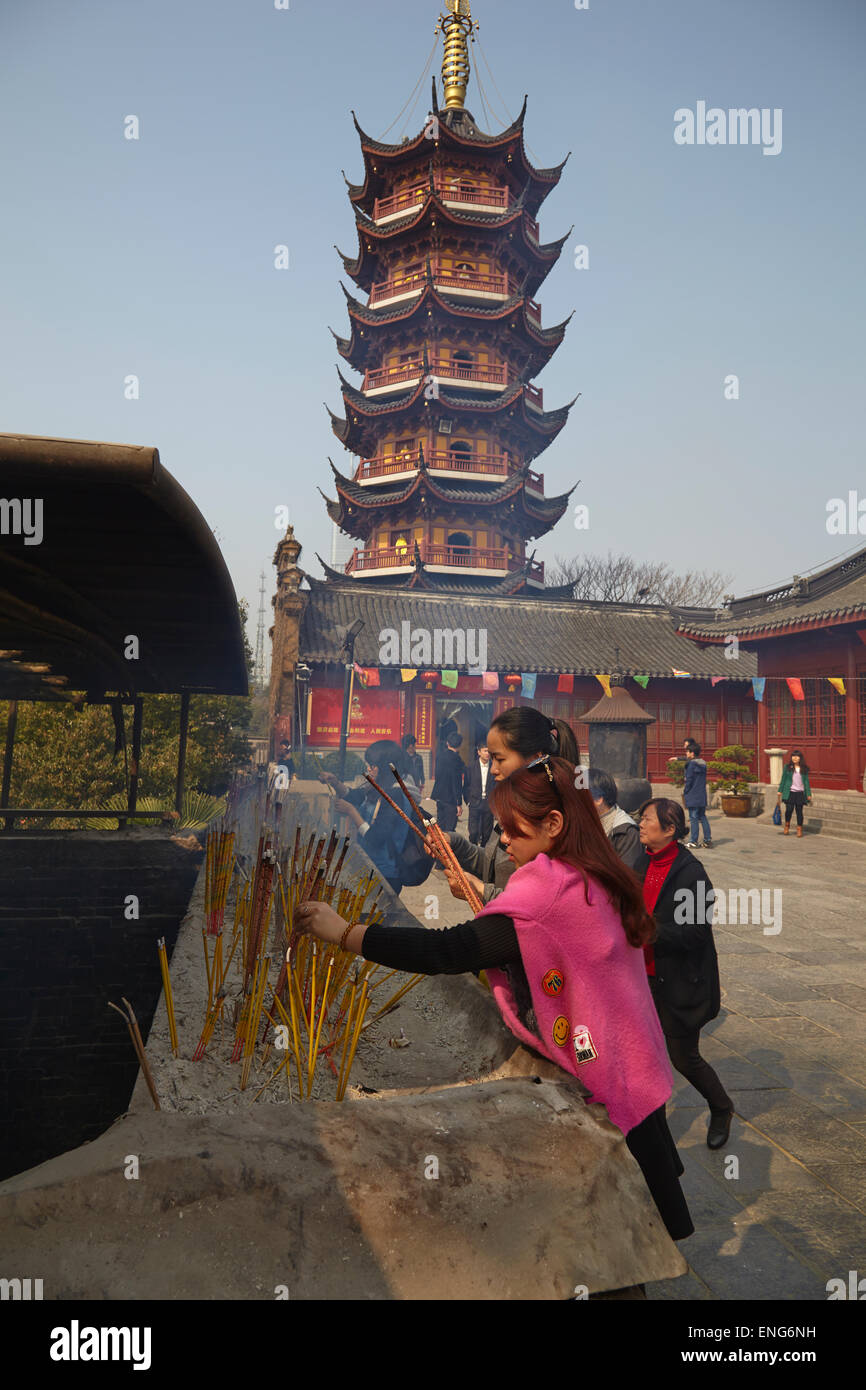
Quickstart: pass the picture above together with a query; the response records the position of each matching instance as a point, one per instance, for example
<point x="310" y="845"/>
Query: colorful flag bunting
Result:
<point x="565" y="685"/>
<point x="489" y="680"/>
<point x="528" y="680"/>
<point x="643" y="681"/>
<point x="449" y="679"/>
<point x="837" y="684"/>
<point x="605" y="683"/>
<point x="758" y="683"/>
<point x="795" y="686"/>
<point x="681" y="675"/>
<point x="408" y="673"/>
<point x="714" y="680"/>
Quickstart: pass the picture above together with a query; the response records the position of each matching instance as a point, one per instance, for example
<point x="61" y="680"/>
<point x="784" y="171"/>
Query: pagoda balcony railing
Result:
<point x="451" y="191"/>
<point x="452" y="369"/>
<point x="468" y="281"/>
<point x="494" y="466"/>
<point x="483" y="465"/>
<point x="457" y="557"/>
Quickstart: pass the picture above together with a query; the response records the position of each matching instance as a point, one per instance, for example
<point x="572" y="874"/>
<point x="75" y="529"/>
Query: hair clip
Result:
<point x="543" y="761"/>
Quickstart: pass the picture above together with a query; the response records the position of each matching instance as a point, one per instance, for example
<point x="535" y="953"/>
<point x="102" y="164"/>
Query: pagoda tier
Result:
<point x="411" y="314"/>
<point x="511" y="419"/>
<point x="519" y="499"/>
<point x="435" y="228"/>
<point x="446" y="420"/>
<point x="503" y="154"/>
<point x="492" y="572"/>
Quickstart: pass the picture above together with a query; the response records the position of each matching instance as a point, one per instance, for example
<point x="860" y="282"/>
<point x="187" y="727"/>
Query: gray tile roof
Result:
<point x="523" y="633"/>
<point x="836" y="592"/>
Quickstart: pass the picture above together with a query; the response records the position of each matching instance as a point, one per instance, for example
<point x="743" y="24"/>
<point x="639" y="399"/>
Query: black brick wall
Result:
<point x="67" y="1067"/>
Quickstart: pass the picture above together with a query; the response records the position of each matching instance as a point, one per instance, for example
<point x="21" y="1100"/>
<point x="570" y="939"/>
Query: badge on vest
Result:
<point x="584" y="1051"/>
<point x="561" y="1030"/>
<point x="553" y="982"/>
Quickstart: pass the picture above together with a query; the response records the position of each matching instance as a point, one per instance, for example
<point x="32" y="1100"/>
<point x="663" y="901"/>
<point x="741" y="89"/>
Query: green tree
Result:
<point x="65" y="755"/>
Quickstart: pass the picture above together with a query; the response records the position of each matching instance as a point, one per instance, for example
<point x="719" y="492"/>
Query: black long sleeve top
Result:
<point x="470" y="946"/>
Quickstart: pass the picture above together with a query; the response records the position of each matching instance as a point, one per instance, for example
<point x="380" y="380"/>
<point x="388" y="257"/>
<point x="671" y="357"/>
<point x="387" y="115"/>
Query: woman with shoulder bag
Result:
<point x="795" y="791"/>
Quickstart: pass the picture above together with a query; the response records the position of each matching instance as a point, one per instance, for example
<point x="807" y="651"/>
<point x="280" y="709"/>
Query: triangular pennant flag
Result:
<point x="643" y="681"/>
<point x="837" y="683"/>
<point x="714" y="680"/>
<point x="361" y="674"/>
<point x="528" y="681"/>
<point x="795" y="686"/>
<point x="565" y="685"/>
<point x="489" y="680"/>
<point x="449" y="679"/>
<point x="681" y="675"/>
<point x="758" y="683"/>
<point x="605" y="683"/>
<point x="408" y="673"/>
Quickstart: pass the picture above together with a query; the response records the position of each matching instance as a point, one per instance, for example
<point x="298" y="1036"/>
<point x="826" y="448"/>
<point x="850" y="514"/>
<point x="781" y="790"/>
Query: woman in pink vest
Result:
<point x="563" y="949"/>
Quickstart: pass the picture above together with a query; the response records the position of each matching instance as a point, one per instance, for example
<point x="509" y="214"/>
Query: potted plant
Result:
<point x="676" y="771"/>
<point x="731" y="773"/>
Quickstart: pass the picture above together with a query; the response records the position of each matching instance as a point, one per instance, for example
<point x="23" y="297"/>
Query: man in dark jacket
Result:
<point x="695" y="795"/>
<point x="682" y="963"/>
<point x="448" y="787"/>
<point x="478" y="788"/>
<point x="617" y="824"/>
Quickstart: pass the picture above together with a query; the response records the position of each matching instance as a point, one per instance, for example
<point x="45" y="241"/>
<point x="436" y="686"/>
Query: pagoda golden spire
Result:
<point x="458" y="27"/>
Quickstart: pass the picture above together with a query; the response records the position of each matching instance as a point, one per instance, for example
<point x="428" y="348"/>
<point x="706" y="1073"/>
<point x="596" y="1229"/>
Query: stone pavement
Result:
<point x="789" y="1047"/>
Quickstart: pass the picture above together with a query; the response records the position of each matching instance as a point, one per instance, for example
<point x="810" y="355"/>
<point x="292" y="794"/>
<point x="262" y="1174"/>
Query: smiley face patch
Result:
<point x="584" y="1048"/>
<point x="552" y="982"/>
<point x="561" y="1029"/>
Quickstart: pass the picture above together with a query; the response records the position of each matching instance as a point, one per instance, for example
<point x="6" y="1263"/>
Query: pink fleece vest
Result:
<point x="589" y="989"/>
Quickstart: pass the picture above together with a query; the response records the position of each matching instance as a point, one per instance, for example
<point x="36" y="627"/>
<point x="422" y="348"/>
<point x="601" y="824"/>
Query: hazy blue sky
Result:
<point x="155" y="256"/>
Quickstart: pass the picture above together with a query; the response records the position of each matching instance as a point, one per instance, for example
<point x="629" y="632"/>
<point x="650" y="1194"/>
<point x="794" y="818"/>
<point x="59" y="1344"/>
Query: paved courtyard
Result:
<point x="790" y="1046"/>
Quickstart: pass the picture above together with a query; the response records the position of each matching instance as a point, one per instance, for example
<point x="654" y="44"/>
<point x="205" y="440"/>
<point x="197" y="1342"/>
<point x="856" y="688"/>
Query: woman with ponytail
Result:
<point x="515" y="738"/>
<point x="563" y="949"/>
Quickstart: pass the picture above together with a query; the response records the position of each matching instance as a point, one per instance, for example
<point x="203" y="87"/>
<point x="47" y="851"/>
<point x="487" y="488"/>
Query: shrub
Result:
<point x="731" y="769"/>
<point x="676" y="771"/>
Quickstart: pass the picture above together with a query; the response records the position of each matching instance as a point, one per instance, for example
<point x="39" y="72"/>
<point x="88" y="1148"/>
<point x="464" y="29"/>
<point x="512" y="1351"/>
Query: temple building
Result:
<point x="441" y="612"/>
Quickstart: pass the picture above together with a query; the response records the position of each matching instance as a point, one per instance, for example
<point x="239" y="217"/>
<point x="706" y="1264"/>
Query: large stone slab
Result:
<point x="536" y="1194"/>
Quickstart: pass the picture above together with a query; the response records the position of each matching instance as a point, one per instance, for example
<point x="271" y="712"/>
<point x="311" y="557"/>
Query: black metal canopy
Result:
<point x="100" y="544"/>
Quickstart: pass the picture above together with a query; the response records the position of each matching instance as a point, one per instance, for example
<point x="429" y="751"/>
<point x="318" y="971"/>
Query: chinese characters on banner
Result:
<point x="374" y="714"/>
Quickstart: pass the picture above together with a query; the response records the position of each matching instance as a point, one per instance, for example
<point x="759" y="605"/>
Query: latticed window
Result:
<point x="820" y="715"/>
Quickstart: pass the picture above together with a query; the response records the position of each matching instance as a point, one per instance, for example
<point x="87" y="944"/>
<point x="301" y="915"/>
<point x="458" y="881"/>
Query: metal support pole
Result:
<point x="7" y="760"/>
<point x="181" y="751"/>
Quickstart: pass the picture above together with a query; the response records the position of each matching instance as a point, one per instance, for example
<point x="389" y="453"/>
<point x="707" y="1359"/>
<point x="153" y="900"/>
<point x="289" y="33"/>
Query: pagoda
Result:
<point x="446" y="332"/>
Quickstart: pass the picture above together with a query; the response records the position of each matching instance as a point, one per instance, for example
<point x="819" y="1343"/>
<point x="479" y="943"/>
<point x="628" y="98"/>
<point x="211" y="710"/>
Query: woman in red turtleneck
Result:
<point x="682" y="965"/>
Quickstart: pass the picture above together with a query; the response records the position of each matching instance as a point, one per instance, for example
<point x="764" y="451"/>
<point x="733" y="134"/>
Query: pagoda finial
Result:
<point x="458" y="29"/>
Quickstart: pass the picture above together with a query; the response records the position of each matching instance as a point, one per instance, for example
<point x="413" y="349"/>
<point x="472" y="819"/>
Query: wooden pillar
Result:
<point x="852" y="720"/>
<point x="763" y="738"/>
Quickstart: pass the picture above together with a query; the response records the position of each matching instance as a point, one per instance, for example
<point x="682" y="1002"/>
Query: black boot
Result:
<point x="720" y="1128"/>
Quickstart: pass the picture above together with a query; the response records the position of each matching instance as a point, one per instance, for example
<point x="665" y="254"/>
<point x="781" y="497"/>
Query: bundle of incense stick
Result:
<point x="321" y="999"/>
<point x="219" y="863"/>
<point x="441" y="845"/>
<point x="167" y="991"/>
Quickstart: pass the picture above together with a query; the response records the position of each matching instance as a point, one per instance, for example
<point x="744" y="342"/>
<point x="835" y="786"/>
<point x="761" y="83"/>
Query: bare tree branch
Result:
<point x="622" y="579"/>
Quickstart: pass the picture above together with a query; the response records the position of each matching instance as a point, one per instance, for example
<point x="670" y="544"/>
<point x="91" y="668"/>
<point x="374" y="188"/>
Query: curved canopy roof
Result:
<point x="120" y="551"/>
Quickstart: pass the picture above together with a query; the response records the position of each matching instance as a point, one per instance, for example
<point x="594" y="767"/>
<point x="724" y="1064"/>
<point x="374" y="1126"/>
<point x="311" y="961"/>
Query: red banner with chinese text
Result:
<point x="374" y="714"/>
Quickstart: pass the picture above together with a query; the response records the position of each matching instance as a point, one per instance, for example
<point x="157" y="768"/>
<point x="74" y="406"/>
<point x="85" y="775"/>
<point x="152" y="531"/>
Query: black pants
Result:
<point x="652" y="1145"/>
<point x="795" y="802"/>
<point x="446" y="815"/>
<point x="480" y="823"/>
<point x="686" y="1058"/>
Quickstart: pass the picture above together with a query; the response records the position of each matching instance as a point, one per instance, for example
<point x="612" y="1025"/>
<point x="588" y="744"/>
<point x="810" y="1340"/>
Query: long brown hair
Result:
<point x="529" y="793"/>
